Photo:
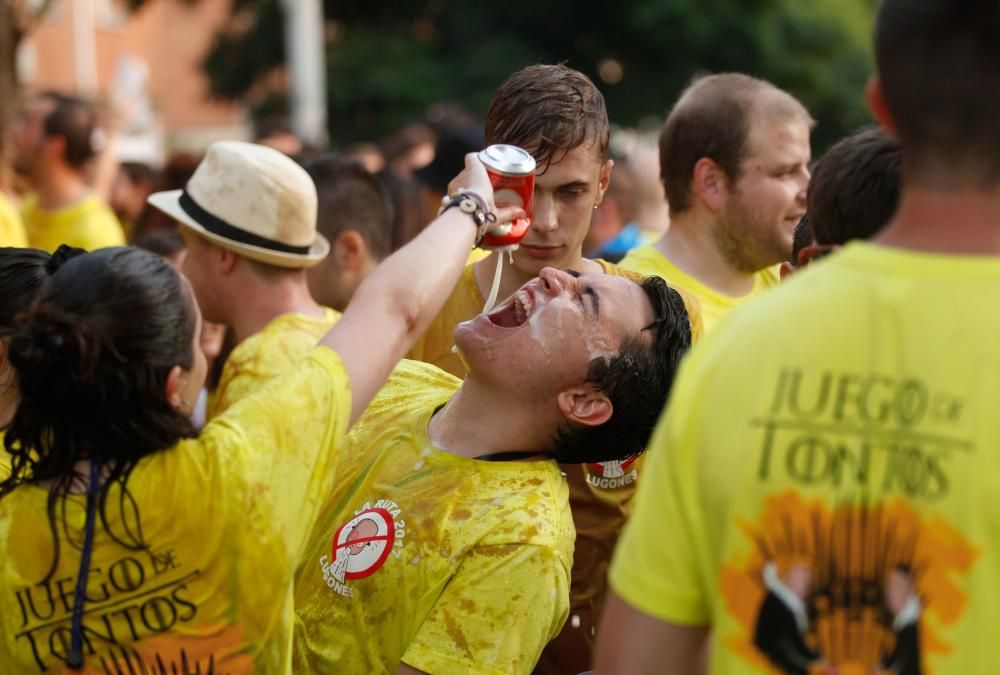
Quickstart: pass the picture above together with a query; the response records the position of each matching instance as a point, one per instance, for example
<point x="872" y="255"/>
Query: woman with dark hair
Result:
<point x="127" y="542"/>
<point x="22" y="272"/>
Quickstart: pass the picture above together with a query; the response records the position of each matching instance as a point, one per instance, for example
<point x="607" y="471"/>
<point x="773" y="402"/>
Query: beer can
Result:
<point x="512" y="174"/>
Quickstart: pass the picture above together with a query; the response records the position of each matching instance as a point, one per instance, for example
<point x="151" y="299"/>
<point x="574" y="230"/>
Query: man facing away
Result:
<point x="248" y="218"/>
<point x="872" y="412"/>
<point x="734" y="155"/>
<point x="54" y="142"/>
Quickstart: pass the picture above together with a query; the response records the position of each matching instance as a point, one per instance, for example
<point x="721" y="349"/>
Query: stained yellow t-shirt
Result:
<point x="460" y="565"/>
<point x="714" y="305"/>
<point x="267" y="354"/>
<point x="11" y="229"/>
<point x="600" y="494"/>
<point x="842" y="508"/>
<point x="225" y="516"/>
<point x="88" y="224"/>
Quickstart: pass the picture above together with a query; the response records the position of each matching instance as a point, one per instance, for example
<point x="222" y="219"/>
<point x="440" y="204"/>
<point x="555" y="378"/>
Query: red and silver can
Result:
<point x="512" y="173"/>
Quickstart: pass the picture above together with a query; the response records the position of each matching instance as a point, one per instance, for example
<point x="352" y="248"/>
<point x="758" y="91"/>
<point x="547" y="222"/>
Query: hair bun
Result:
<point x="64" y="253"/>
<point x="45" y="343"/>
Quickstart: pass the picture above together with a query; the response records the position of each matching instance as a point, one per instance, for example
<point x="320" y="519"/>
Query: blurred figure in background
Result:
<point x="613" y="229"/>
<point x="453" y="144"/>
<point x="134" y="181"/>
<point x="54" y="141"/>
<point x="355" y="216"/>
<point x="405" y="151"/>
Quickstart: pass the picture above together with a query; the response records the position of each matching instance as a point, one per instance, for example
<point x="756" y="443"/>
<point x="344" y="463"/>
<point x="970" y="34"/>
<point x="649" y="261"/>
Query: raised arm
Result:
<point x="393" y="306"/>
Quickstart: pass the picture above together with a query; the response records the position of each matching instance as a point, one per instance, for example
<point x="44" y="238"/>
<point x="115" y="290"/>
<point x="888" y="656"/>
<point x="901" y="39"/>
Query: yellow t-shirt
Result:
<point x="88" y="224"/>
<point x="714" y="305"/>
<point x="267" y="354"/>
<point x="4" y="458"/>
<point x="461" y="565"/>
<point x="843" y="507"/>
<point x="225" y="516"/>
<point x="464" y="303"/>
<point x="600" y="494"/>
<point x="11" y="229"/>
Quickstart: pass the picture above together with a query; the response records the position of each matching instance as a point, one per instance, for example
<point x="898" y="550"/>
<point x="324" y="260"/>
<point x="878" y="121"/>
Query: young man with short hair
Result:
<point x="248" y="218"/>
<point x="845" y="423"/>
<point x="54" y="142"/>
<point x="355" y="216"/>
<point x="447" y="545"/>
<point x="734" y="156"/>
<point x="559" y="116"/>
<point x="853" y="194"/>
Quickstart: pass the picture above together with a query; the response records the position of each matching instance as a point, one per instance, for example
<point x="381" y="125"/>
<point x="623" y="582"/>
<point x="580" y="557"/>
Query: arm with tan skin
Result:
<point x="394" y="305"/>
<point x="404" y="669"/>
<point x="630" y="642"/>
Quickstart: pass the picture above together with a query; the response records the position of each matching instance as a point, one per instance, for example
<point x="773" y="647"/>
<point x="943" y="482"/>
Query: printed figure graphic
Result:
<point x="364" y="530"/>
<point x="844" y="589"/>
<point x="783" y="619"/>
<point x="362" y="545"/>
<point x="903" y="604"/>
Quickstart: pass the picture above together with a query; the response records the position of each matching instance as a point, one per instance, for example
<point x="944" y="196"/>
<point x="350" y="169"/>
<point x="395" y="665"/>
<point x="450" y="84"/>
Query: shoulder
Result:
<point x="528" y="507"/>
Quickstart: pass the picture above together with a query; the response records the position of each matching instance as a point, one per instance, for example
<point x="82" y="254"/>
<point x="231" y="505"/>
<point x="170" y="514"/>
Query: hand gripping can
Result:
<point x="512" y="173"/>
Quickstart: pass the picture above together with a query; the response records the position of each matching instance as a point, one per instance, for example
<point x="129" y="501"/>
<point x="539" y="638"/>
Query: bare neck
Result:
<point x="271" y="298"/>
<point x="690" y="246"/>
<point x="476" y="422"/>
<point x="59" y="186"/>
<point x="960" y="222"/>
<point x="512" y="278"/>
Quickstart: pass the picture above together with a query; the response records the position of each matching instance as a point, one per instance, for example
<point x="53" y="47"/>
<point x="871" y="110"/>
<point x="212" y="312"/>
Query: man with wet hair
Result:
<point x="447" y="545"/>
<point x="559" y="116"/>
<point x="893" y="468"/>
<point x="734" y="156"/>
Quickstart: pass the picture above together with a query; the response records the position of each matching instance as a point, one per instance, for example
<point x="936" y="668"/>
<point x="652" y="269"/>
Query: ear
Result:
<point x="814" y="252"/>
<point x="173" y="389"/>
<point x="785" y="270"/>
<point x="55" y="146"/>
<point x="604" y="181"/>
<point x="227" y="259"/>
<point x="710" y="183"/>
<point x="350" y="251"/>
<point x="585" y="405"/>
<point x="876" y="101"/>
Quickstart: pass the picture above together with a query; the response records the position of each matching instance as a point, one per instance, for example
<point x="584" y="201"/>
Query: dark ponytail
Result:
<point x="22" y="273"/>
<point x="92" y="356"/>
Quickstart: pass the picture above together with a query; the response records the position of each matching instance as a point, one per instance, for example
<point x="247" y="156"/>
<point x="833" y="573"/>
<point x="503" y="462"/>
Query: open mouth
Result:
<point x="514" y="312"/>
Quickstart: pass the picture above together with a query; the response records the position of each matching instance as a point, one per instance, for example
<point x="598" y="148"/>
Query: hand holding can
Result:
<point x="512" y="174"/>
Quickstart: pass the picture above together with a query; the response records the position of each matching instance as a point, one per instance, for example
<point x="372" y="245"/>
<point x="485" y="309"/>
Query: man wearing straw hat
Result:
<point x="248" y="219"/>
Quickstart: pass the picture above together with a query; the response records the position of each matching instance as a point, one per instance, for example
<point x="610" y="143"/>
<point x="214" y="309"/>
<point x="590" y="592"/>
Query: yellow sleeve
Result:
<point x="289" y="432"/>
<point x="497" y="613"/>
<point x="99" y="229"/>
<point x="11" y="231"/>
<point x="236" y="383"/>
<point x="659" y="563"/>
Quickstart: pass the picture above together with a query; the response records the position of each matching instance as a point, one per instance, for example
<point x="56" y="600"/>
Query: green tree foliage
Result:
<point x="389" y="61"/>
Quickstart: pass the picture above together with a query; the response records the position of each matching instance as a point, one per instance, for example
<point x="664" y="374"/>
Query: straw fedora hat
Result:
<point x="253" y="201"/>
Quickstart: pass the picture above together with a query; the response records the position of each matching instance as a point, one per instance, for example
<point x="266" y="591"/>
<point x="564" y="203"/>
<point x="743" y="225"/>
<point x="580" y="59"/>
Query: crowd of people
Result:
<point x="282" y="430"/>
